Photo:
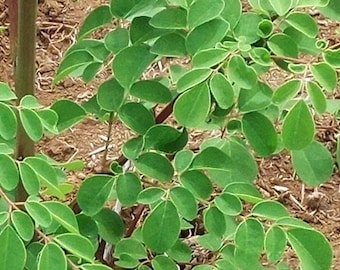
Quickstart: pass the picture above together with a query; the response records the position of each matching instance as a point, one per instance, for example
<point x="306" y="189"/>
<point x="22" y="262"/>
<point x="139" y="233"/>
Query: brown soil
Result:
<point x="58" y="23"/>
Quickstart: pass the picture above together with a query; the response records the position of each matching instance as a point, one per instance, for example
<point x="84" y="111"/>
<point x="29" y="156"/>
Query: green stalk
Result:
<point x="25" y="73"/>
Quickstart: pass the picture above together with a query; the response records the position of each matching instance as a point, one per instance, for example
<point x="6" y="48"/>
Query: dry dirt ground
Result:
<point x="58" y="21"/>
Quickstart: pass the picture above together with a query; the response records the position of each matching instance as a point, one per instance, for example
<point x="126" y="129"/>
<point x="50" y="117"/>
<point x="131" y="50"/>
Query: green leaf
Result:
<point x="332" y="10"/>
<point x="110" y="226"/>
<point x="185" y="202"/>
<point x="117" y="40"/>
<point x="222" y="91"/>
<point x="46" y="173"/>
<point x="304" y="23"/>
<point x="33" y="251"/>
<point x="260" y="133"/>
<point x="245" y="191"/>
<point x="69" y="113"/>
<point x="12" y="253"/>
<point x="87" y="226"/>
<point x="49" y="120"/>
<point x="270" y="210"/>
<point x="39" y="213"/>
<point x="128" y="186"/>
<point x="96" y="19"/>
<point x="197" y="183"/>
<point x="73" y="61"/>
<point x="52" y="257"/>
<point x="121" y="8"/>
<point x="256" y="98"/>
<point x="313" y="164"/>
<point x="170" y="45"/>
<point x="242" y="30"/>
<point x="287" y="92"/>
<point x="91" y="71"/>
<point x="32" y="124"/>
<point x="152" y="91"/>
<point x="30" y="102"/>
<point x="23" y="224"/>
<point x="192" y="107"/>
<point x="165" y="138"/>
<point x="275" y="243"/>
<point x="281" y="7"/>
<point x="228" y="204"/>
<point x="298" y="127"/>
<point x="95" y="47"/>
<point x="306" y="45"/>
<point x="77" y="245"/>
<point x="312" y="248"/>
<point x="94" y="192"/>
<point x="183" y="160"/>
<point x="209" y="57"/>
<point x="6" y="94"/>
<point x="170" y="18"/>
<point x="8" y="122"/>
<point x="162" y="262"/>
<point x="146" y="165"/>
<point x="214" y="221"/>
<point x="261" y="56"/>
<point x="180" y="252"/>
<point x="283" y="45"/>
<point x="212" y="158"/>
<point x="210" y="242"/>
<point x="9" y="175"/>
<point x="132" y="247"/>
<point x="326" y="75"/>
<point x="4" y="217"/>
<point x="94" y="267"/>
<point x="243" y="166"/>
<point x="63" y="215"/>
<point x="137" y="117"/>
<point x="317" y="97"/>
<point x="192" y="78"/>
<point x="161" y="228"/>
<point x="265" y="28"/>
<point x="249" y="240"/>
<point x="332" y="57"/>
<point x="150" y="195"/>
<point x="232" y="12"/>
<point x="141" y="30"/>
<point x="291" y="222"/>
<point x="132" y="148"/>
<point x="206" y="35"/>
<point x="238" y="72"/>
<point x="130" y="63"/>
<point x="127" y="261"/>
<point x="202" y="11"/>
<point x="110" y="95"/>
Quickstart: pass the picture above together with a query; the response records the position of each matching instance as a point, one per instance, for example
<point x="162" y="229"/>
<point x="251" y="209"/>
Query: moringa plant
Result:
<point x="184" y="201"/>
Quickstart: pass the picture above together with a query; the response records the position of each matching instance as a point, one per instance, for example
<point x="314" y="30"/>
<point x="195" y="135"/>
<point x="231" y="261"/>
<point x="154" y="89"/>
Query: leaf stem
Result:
<point x="291" y="59"/>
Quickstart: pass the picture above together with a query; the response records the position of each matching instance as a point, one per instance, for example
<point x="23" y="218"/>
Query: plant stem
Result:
<point x="107" y="143"/>
<point x="25" y="74"/>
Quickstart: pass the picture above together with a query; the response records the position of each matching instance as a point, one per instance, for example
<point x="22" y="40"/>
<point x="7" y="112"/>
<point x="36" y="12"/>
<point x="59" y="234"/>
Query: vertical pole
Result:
<point x="25" y="72"/>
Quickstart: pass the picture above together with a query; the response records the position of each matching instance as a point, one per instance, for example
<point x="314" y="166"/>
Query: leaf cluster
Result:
<point x="180" y="194"/>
